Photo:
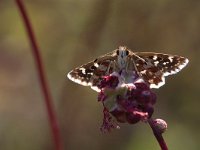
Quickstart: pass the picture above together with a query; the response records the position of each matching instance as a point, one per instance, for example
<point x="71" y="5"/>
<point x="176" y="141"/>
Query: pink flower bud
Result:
<point x="160" y="125"/>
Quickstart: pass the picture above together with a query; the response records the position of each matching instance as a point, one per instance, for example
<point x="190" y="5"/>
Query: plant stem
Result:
<point x="42" y="78"/>
<point x="158" y="135"/>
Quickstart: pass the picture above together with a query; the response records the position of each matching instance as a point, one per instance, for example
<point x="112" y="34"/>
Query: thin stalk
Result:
<point x="158" y="135"/>
<point x="42" y="77"/>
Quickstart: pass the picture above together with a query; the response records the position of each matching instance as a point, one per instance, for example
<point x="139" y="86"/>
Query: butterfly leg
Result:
<point x="111" y="67"/>
<point x="128" y="66"/>
<point x="135" y="66"/>
<point x="108" y="69"/>
<point x="139" y="57"/>
<point x="115" y="67"/>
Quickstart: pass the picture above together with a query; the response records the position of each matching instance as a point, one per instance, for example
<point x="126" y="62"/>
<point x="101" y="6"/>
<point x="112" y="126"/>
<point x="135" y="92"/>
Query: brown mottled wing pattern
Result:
<point x="153" y="67"/>
<point x="90" y="74"/>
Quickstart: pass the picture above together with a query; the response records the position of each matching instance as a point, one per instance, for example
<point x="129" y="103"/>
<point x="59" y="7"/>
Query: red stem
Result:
<point x="158" y="135"/>
<point x="42" y="78"/>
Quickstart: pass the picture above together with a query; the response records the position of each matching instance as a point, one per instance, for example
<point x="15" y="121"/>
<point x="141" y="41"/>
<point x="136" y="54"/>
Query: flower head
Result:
<point x="126" y="97"/>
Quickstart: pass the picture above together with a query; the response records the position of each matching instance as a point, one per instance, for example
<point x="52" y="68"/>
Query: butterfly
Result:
<point x="150" y="66"/>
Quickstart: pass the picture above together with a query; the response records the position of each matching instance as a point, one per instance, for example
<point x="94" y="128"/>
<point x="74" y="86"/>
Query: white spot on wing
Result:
<point x="156" y="63"/>
<point x="96" y="65"/>
<point x="76" y="80"/>
<point x="167" y="73"/>
<point x="180" y="67"/>
<point x="184" y="64"/>
<point x="159" y="84"/>
<point x="170" y="58"/>
<point x="95" y="88"/>
<point x="155" y="57"/>
<point x="164" y="63"/>
<point x="83" y="70"/>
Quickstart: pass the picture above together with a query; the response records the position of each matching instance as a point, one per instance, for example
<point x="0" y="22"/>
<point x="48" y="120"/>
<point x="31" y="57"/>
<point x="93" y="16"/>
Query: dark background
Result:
<point x="73" y="32"/>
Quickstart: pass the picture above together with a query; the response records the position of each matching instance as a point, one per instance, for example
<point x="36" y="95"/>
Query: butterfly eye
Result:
<point x="127" y="52"/>
<point x="117" y="52"/>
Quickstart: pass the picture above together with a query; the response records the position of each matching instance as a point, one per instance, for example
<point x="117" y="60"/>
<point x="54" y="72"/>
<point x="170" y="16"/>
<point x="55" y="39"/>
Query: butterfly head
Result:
<point x="122" y="54"/>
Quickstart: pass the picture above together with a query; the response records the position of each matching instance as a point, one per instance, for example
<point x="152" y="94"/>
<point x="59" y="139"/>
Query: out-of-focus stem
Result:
<point x="158" y="135"/>
<point x="42" y="78"/>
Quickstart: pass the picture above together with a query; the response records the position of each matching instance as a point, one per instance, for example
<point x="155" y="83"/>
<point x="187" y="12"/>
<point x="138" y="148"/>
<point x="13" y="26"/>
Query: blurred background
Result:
<point x="71" y="33"/>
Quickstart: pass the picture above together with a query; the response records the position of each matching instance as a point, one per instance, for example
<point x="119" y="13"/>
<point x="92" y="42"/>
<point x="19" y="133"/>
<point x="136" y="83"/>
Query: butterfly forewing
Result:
<point x="154" y="66"/>
<point x="90" y="74"/>
<point x="168" y="64"/>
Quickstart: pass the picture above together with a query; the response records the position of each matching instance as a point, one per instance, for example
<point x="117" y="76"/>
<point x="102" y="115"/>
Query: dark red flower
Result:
<point x="129" y="102"/>
<point x="108" y="122"/>
<point x="109" y="82"/>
